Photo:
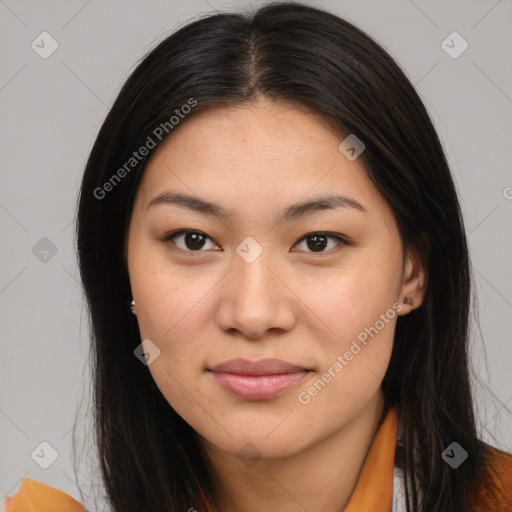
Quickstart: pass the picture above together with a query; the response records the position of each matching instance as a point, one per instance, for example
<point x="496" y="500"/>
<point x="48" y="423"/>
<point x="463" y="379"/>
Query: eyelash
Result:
<point x="169" y="238"/>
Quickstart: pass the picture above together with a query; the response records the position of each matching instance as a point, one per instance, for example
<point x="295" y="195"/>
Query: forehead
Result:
<point x="255" y="155"/>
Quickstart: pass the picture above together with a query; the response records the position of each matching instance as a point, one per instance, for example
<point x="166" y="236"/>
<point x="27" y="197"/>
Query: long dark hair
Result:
<point x="148" y="454"/>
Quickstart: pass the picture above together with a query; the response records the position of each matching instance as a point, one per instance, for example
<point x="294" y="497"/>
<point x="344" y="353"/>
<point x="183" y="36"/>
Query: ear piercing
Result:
<point x="409" y="301"/>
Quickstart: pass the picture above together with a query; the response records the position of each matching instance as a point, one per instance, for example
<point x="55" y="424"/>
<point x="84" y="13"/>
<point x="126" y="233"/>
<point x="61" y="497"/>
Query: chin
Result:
<point x="250" y="444"/>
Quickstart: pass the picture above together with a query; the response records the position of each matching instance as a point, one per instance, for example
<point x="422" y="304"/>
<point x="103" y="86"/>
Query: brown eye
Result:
<point x="190" y="241"/>
<point x="317" y="242"/>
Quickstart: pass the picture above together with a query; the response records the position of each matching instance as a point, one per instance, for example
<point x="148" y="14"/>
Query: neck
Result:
<point x="322" y="477"/>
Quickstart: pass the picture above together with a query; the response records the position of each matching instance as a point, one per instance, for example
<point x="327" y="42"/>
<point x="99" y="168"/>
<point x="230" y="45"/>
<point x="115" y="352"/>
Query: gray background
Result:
<point x="52" y="109"/>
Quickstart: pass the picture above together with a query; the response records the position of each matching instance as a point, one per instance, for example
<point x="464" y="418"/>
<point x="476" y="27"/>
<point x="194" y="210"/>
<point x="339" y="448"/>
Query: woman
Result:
<point x="275" y="262"/>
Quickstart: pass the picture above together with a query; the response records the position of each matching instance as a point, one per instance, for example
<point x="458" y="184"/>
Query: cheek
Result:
<point x="355" y="356"/>
<point x="351" y="299"/>
<point x="174" y="312"/>
<point x="361" y="335"/>
<point x="172" y="315"/>
<point x="169" y="298"/>
<point x="358" y="309"/>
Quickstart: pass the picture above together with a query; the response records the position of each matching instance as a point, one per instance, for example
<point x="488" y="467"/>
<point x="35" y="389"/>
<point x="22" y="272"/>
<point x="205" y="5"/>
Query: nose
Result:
<point x="255" y="299"/>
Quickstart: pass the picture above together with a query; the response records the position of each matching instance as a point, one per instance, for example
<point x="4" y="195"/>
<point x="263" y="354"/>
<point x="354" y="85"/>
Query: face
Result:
<point x="319" y="288"/>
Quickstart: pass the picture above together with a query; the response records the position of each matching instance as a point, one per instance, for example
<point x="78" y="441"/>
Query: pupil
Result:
<point x="193" y="240"/>
<point x="318" y="242"/>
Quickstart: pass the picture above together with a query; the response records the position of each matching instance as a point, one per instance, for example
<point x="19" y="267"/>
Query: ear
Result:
<point x="415" y="276"/>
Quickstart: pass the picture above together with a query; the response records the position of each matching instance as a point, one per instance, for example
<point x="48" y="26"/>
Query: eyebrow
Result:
<point x="293" y="212"/>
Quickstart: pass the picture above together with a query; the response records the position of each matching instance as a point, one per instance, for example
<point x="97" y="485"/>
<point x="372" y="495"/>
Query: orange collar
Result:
<point x="374" y="489"/>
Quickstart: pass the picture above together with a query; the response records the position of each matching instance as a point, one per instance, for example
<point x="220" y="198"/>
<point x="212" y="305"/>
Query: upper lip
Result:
<point x="261" y="367"/>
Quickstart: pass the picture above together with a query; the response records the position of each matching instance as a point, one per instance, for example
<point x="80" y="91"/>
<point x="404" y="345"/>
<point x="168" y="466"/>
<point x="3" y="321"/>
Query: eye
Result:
<point x="194" y="241"/>
<point x="191" y="241"/>
<point x="318" y="241"/>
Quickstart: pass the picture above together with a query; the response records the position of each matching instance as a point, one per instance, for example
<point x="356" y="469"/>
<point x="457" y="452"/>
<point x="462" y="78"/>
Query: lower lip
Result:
<point x="258" y="387"/>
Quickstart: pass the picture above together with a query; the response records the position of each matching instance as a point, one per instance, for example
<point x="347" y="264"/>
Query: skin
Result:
<point x="207" y="305"/>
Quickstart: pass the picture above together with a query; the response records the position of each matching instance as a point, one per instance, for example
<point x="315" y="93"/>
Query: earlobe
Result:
<point x="132" y="308"/>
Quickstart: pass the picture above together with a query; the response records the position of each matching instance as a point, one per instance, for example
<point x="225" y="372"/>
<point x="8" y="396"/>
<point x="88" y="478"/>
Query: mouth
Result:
<point x="258" y="380"/>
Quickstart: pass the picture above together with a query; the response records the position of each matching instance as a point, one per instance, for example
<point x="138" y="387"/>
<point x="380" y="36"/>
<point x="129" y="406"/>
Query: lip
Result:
<point x="258" y="380"/>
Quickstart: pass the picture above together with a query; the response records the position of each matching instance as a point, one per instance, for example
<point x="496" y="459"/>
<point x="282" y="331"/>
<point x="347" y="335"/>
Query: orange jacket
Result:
<point x="373" y="492"/>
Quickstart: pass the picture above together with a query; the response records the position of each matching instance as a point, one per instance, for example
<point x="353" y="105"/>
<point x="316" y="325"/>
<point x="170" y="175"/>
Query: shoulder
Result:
<point x="492" y="490"/>
<point x="34" y="496"/>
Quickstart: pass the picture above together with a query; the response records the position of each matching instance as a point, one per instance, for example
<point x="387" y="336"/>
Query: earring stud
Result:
<point x="409" y="301"/>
